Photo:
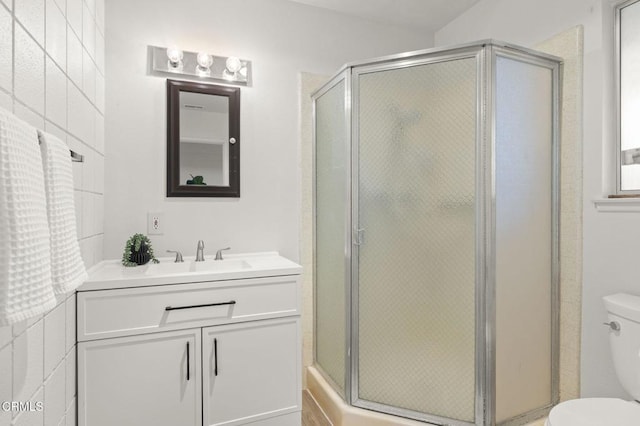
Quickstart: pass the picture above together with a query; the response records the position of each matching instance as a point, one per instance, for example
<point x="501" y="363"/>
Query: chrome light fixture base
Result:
<point x="161" y="64"/>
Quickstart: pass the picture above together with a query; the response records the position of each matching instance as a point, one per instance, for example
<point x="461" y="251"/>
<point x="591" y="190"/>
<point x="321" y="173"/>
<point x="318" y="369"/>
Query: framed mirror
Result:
<point x="203" y="140"/>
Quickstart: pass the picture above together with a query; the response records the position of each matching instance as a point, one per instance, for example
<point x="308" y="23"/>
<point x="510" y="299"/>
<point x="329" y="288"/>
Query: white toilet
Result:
<point x="623" y="311"/>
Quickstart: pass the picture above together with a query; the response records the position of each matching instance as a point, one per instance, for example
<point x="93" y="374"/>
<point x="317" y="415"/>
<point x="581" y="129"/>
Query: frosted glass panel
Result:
<point x="524" y="151"/>
<point x="417" y="132"/>
<point x="331" y="209"/>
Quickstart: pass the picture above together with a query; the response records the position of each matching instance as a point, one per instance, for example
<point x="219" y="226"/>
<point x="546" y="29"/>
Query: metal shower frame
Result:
<point x="485" y="53"/>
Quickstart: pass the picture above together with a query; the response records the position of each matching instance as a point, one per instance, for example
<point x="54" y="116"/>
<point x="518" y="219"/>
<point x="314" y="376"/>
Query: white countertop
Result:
<point x="111" y="274"/>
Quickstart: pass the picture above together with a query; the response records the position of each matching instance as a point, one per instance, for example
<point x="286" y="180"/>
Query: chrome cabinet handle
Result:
<point x="613" y="325"/>
<point x="175" y="308"/>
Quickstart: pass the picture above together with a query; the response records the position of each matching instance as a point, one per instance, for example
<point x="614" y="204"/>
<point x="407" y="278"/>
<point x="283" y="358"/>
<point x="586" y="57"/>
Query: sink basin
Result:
<point x="220" y="265"/>
<point x="164" y="268"/>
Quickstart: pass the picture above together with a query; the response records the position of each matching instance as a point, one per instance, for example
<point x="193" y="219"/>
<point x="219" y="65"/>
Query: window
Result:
<point x="627" y="19"/>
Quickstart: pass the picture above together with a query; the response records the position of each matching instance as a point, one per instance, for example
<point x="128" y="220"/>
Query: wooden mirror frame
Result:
<point x="174" y="189"/>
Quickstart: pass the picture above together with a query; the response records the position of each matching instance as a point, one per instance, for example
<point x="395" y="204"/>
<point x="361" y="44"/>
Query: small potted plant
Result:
<point x="138" y="251"/>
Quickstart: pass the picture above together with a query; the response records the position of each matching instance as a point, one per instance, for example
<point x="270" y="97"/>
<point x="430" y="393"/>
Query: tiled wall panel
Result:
<point x="52" y="75"/>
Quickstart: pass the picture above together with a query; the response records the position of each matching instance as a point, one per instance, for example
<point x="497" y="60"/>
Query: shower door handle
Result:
<point x="359" y="237"/>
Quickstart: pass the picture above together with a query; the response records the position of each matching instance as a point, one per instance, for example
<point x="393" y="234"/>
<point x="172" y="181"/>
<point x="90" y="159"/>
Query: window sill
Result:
<point x="618" y="205"/>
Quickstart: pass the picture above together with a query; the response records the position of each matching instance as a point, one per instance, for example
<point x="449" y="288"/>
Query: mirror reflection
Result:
<point x="204" y="139"/>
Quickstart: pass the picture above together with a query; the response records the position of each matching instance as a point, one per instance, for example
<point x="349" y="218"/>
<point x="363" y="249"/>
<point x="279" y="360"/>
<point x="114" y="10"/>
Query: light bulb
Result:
<point x="233" y="64"/>
<point x="175" y="57"/>
<point x="204" y="61"/>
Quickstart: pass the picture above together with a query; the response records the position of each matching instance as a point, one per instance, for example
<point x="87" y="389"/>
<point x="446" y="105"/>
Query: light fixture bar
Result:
<point x="224" y="69"/>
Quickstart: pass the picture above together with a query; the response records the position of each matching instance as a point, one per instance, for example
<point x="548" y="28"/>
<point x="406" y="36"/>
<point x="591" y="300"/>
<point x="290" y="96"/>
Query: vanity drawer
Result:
<point x="122" y="312"/>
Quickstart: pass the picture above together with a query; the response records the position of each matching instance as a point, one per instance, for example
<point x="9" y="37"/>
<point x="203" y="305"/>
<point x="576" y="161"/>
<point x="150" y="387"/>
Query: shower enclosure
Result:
<point x="436" y="234"/>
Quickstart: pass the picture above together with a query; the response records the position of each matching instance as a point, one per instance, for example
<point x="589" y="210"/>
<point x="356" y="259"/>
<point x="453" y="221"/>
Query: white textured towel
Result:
<point x="25" y="255"/>
<point x="67" y="268"/>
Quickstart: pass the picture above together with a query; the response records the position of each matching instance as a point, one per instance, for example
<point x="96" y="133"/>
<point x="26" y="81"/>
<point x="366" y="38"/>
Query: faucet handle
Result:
<point x="613" y="325"/>
<point x="219" y="253"/>
<point x="178" y="255"/>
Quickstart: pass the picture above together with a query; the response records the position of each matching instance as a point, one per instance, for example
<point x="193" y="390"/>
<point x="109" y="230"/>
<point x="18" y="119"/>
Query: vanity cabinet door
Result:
<point x="251" y="373"/>
<point x="153" y="379"/>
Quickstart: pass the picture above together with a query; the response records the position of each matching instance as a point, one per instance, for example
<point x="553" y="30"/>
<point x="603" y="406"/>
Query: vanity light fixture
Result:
<point x="175" y="59"/>
<point x="233" y="64"/>
<point x="199" y="65"/>
<point x="204" y="63"/>
<point x="233" y="68"/>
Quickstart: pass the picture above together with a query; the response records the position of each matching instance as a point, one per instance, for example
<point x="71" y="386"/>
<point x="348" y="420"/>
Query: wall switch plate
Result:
<point x="155" y="223"/>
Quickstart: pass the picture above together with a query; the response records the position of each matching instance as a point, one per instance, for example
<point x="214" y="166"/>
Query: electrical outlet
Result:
<point x="155" y="223"/>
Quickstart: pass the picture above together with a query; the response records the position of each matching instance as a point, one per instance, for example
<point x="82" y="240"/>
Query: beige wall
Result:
<point x="569" y="46"/>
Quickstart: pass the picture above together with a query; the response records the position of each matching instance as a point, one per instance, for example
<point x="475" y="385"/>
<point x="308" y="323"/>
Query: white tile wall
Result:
<point x="55" y="94"/>
<point x="27" y="114"/>
<point x="88" y="31"/>
<point x="56" y="34"/>
<point x="74" y="15"/>
<point x="55" y="396"/>
<point x="70" y="332"/>
<point x="5" y="336"/>
<point x="6" y="374"/>
<point x="74" y="57"/>
<point x="57" y="84"/>
<point x="88" y="76"/>
<point x="71" y="414"/>
<point x="30" y="13"/>
<point x="28" y="355"/>
<point x="54" y="338"/>
<point x="33" y="418"/>
<point x="100" y="51"/>
<point x="6" y="49"/>
<point x="6" y="101"/>
<point x="28" y="71"/>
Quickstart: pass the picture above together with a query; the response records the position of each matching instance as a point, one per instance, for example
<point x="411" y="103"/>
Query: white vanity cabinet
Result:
<point x="224" y="352"/>
<point x="153" y="379"/>
<point x="250" y="371"/>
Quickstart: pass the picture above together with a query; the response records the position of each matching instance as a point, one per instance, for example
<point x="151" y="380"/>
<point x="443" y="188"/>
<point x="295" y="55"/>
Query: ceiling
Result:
<point x="429" y="15"/>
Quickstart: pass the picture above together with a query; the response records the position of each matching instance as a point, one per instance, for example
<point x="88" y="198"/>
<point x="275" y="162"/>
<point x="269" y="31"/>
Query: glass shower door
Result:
<point x="414" y="223"/>
<point x="331" y="207"/>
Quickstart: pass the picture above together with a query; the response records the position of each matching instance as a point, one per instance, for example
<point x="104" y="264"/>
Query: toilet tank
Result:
<point x="624" y="309"/>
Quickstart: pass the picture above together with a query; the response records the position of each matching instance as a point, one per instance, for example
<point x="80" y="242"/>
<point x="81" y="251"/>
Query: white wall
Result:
<point x="52" y="75"/>
<point x="282" y="39"/>
<point x="610" y="240"/>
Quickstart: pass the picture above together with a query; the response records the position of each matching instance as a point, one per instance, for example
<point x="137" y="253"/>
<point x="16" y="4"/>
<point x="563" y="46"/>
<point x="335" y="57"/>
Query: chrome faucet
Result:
<point x="200" y="252"/>
<point x="219" y="253"/>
